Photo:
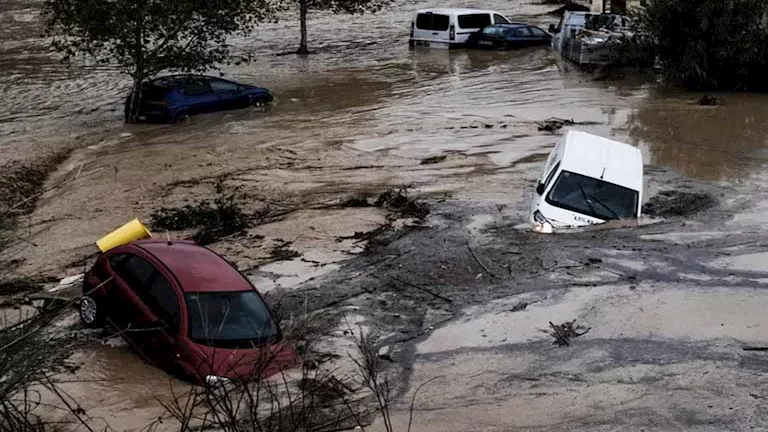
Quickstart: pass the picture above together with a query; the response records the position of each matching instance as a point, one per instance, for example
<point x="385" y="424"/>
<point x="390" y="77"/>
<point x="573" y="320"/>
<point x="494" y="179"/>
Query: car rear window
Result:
<point x="474" y="21"/>
<point x="430" y="21"/>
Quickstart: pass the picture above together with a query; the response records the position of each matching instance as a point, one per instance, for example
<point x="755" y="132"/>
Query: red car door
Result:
<point x="126" y="310"/>
<point x="131" y="310"/>
<point x="163" y="301"/>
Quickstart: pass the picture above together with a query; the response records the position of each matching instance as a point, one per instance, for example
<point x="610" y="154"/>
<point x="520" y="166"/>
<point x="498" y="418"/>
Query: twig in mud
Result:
<point x="77" y="411"/>
<point x="426" y="290"/>
<point x="413" y="400"/>
<point x="472" y="252"/>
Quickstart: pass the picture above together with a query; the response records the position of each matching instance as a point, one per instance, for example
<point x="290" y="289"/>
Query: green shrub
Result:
<point x="708" y="44"/>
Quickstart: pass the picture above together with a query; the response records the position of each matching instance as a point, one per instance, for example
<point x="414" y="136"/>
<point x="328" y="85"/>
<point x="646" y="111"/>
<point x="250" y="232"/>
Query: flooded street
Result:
<point x="358" y="117"/>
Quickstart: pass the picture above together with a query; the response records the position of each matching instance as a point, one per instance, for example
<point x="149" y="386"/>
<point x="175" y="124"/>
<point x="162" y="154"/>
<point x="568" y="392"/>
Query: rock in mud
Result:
<point x="433" y="159"/>
<point x="678" y="203"/>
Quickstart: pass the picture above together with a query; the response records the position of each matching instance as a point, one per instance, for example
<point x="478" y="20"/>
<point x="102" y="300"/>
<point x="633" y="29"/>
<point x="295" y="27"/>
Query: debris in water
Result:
<point x="755" y="348"/>
<point x="677" y="203"/>
<point x="563" y="333"/>
<point x="433" y="159"/>
<point x="554" y="123"/>
<point x="519" y="307"/>
<point x="706" y="100"/>
<point x="398" y="201"/>
<point x="220" y="218"/>
<point x="282" y="252"/>
<point x="394" y="200"/>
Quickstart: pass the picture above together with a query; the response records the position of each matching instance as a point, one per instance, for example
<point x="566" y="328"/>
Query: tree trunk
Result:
<point x="303" y="6"/>
<point x="134" y="100"/>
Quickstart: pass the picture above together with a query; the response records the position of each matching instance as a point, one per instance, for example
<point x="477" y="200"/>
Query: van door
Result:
<point x="470" y="23"/>
<point x="431" y="27"/>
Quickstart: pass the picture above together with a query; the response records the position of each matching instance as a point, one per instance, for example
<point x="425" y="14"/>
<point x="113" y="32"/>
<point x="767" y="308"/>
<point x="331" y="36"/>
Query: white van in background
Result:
<point x="450" y="28"/>
<point x="588" y="180"/>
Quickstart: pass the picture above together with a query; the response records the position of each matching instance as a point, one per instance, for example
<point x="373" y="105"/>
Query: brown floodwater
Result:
<point x="363" y="110"/>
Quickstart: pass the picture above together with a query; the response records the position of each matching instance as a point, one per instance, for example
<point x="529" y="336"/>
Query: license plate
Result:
<point x="485" y="43"/>
<point x="422" y="43"/>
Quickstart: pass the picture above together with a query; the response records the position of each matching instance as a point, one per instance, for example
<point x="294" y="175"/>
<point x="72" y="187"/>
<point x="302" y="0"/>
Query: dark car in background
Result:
<point x="509" y="36"/>
<point x="186" y="310"/>
<point x="172" y="98"/>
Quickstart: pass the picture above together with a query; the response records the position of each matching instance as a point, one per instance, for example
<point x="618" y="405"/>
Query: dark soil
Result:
<point x="21" y="183"/>
<point x="678" y="203"/>
<point x="17" y="286"/>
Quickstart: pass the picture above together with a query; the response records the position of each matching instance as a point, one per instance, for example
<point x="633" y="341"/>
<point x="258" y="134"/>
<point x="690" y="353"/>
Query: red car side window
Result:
<point x="153" y="288"/>
<point x="164" y="301"/>
<point x="135" y="270"/>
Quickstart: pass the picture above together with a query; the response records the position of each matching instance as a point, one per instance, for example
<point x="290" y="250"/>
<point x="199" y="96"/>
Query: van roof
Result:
<point x="598" y="157"/>
<point x="450" y="11"/>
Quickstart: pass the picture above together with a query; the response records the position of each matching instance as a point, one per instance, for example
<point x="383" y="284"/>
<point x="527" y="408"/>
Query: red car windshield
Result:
<point x="230" y="319"/>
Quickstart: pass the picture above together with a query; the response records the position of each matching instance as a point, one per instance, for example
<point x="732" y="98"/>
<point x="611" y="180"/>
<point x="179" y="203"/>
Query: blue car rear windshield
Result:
<point x="593" y="197"/>
<point x="230" y="319"/>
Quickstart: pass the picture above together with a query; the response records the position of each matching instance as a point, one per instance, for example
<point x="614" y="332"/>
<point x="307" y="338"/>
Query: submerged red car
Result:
<point x="186" y="310"/>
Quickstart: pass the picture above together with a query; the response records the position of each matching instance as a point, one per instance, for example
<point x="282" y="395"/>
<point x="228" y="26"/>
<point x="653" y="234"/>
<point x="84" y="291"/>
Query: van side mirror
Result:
<point x="552" y="29"/>
<point x="540" y="188"/>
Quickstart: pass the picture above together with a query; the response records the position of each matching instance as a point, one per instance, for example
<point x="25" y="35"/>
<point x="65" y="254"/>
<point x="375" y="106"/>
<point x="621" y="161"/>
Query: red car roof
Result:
<point x="198" y="269"/>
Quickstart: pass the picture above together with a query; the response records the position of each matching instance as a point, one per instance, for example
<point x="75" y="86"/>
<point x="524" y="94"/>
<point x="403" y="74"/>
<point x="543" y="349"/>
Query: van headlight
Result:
<point x="541" y="224"/>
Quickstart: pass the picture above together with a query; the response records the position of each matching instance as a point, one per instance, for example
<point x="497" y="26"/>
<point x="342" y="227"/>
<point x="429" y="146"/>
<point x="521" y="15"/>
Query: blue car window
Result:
<point x="520" y="32"/>
<point x="224" y="87"/>
<point x="538" y="32"/>
<point x="196" y="87"/>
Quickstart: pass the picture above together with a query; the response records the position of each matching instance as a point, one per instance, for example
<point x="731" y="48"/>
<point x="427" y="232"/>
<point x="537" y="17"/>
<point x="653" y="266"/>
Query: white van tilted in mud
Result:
<point x="588" y="180"/>
<point x="450" y="28"/>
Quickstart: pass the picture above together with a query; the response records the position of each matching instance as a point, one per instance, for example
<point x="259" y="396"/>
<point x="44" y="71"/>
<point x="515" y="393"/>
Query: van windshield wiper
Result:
<point x="616" y="215"/>
<point x="586" y="198"/>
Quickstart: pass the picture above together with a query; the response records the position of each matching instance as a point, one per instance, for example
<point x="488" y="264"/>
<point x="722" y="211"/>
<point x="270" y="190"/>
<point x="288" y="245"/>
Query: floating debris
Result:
<point x="563" y="333"/>
<point x="433" y="159"/>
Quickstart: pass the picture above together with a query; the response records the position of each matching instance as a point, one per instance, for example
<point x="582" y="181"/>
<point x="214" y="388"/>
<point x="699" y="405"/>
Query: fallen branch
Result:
<point x="426" y="290"/>
<point x="472" y="252"/>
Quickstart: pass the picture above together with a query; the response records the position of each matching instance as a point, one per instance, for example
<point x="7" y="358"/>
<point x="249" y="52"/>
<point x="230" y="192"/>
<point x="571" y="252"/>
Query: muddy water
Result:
<point x="360" y="113"/>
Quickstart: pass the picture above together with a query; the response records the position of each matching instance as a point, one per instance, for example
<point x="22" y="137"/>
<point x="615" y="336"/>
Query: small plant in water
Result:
<point x="220" y="218"/>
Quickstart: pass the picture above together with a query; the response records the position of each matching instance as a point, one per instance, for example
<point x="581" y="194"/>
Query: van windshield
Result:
<point x="593" y="197"/>
<point x="474" y="21"/>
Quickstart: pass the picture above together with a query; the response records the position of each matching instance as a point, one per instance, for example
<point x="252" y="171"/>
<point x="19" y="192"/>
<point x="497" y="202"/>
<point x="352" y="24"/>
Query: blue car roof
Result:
<point x="511" y="25"/>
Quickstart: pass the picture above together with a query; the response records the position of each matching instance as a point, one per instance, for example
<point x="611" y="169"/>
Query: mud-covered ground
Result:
<point x="670" y="305"/>
<point x="466" y="294"/>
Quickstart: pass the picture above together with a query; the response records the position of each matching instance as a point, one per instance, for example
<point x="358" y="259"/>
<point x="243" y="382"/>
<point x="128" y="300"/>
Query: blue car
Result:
<point x="508" y="36"/>
<point x="172" y="98"/>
